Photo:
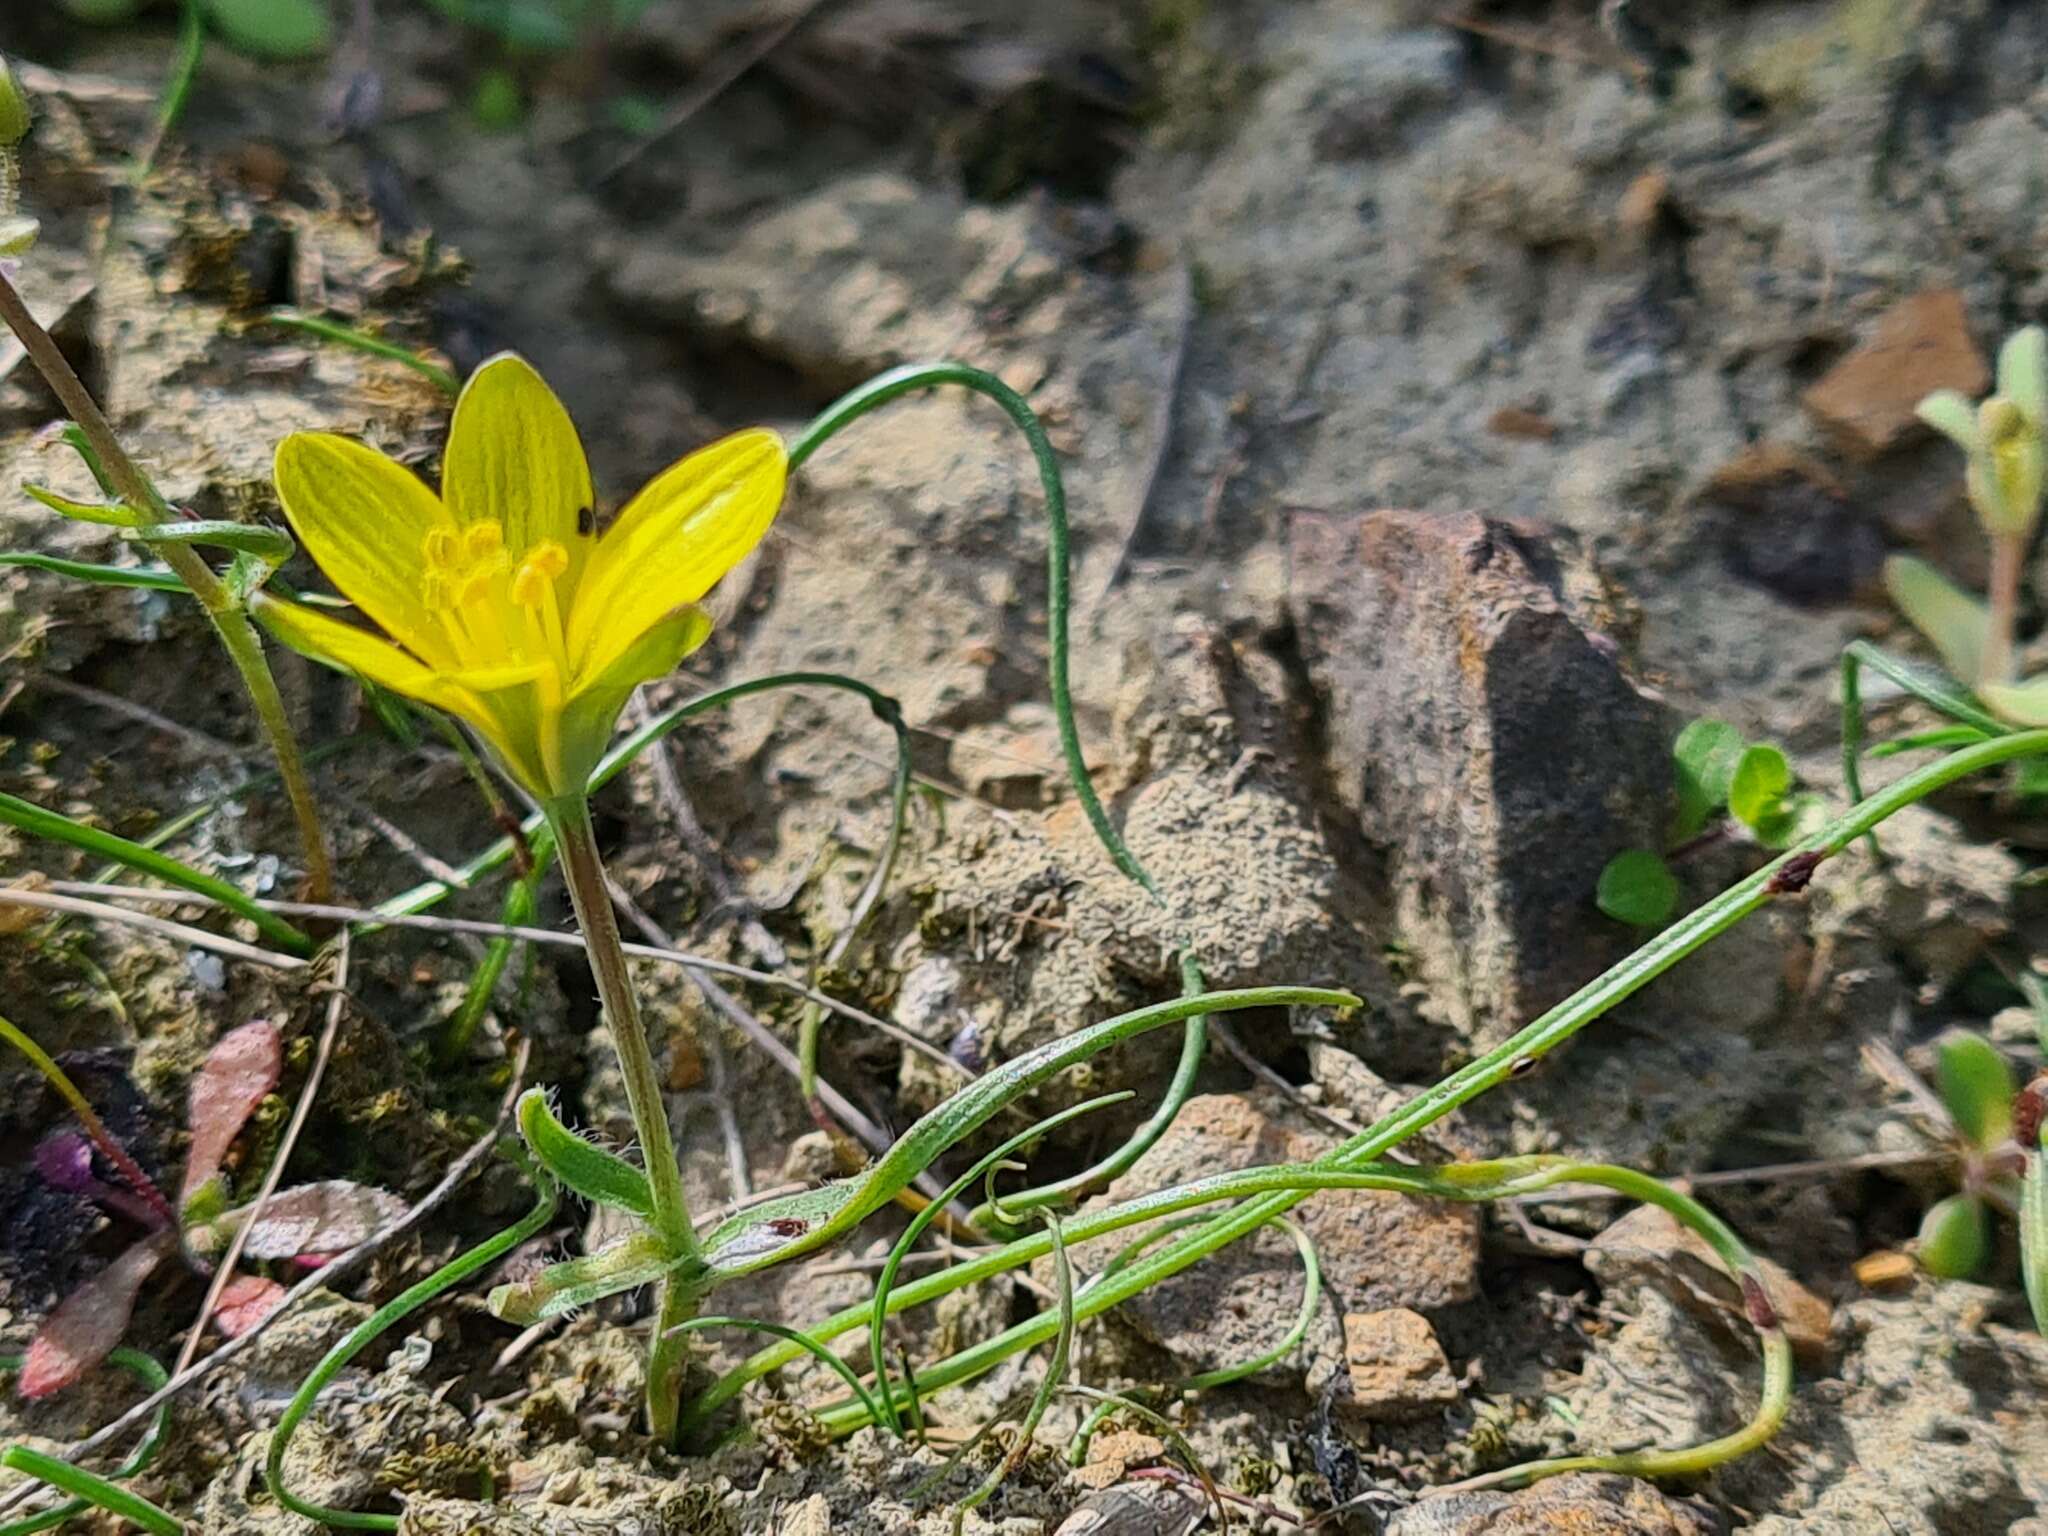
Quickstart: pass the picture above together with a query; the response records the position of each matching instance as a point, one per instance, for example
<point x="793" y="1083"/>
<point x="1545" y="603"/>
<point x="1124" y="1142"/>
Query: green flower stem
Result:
<point x="237" y="637"/>
<point x="583" y="872"/>
<point x="1699" y="927"/>
<point x="613" y="763"/>
<point x="451" y="1274"/>
<point x="2008" y="556"/>
<point x="909" y="379"/>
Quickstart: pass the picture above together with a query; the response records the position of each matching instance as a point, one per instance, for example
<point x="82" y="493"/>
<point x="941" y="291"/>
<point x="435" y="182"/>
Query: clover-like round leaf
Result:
<point x="1955" y="1238"/>
<point x="1793" y="818"/>
<point x="273" y="29"/>
<point x="1758" y="785"/>
<point x="1637" y="888"/>
<point x="1704" y="757"/>
<point x="1976" y="1087"/>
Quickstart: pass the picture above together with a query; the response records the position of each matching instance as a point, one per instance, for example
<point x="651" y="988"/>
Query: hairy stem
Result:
<point x="237" y="637"/>
<point x="670" y="1218"/>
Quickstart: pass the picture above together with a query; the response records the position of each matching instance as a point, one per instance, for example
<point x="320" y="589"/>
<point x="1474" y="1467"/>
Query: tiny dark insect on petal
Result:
<point x="1796" y="875"/>
<point x="789" y="1226"/>
<point x="586" y="520"/>
<point x="1757" y="1304"/>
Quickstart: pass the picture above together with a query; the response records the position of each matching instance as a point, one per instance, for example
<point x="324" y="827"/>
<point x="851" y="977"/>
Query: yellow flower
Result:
<point x="503" y="606"/>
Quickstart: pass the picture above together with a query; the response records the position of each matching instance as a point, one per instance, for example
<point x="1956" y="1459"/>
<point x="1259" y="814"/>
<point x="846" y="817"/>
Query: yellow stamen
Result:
<point x="439" y="549"/>
<point x="483" y="539"/>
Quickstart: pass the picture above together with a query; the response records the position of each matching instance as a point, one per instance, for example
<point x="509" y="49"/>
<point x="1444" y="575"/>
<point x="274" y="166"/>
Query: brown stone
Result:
<point x="1377" y="1249"/>
<point x="1919" y="345"/>
<point x="1643" y="204"/>
<point x="1650" y="1247"/>
<point x="1113" y="1453"/>
<point x="1484" y="734"/>
<point x="1394" y="1367"/>
<point x="1520" y="421"/>
<point x="1793" y="529"/>
<point x="1581" y="1504"/>
<point x="1886" y="1270"/>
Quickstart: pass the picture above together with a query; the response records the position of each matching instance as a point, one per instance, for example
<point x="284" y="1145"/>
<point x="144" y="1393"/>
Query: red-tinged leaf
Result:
<point x="242" y="1067"/>
<point x="323" y="1218"/>
<point x="90" y="1321"/>
<point x="244" y="1302"/>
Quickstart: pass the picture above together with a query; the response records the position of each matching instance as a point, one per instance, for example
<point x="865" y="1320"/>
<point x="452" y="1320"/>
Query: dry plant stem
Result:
<point x="2008" y="555"/>
<point x="330" y="1274"/>
<point x="583" y="872"/>
<point x="237" y="637"/>
<point x="224" y="1271"/>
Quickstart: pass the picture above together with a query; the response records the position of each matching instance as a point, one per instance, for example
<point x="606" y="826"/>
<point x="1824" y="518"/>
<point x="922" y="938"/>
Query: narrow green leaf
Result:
<point x="1940" y="739"/>
<point x="585" y="1167"/>
<point x="34" y="819"/>
<point x="111" y="514"/>
<point x="150" y="578"/>
<point x="273" y="546"/>
<point x="273" y="29"/>
<point x="1637" y="888"/>
<point x="1758" y="786"/>
<point x="1704" y="757"/>
<point x="1956" y="623"/>
<point x="1976" y="1086"/>
<point x="1955" y="1238"/>
<point x="75" y="439"/>
<point x="92" y="1488"/>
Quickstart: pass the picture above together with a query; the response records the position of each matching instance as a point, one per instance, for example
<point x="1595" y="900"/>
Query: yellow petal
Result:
<point x="691" y="524"/>
<point x="363" y="518"/>
<point x="514" y="457"/>
<point x="351" y="648"/>
<point x="592" y="712"/>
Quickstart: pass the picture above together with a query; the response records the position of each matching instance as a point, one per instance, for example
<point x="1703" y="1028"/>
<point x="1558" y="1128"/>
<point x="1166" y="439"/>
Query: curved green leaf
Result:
<point x="111" y="514"/>
<point x="1956" y="623"/>
<point x="273" y="546"/>
<point x="1976" y="1086"/>
<point x="1955" y="1238"/>
<point x="583" y="1166"/>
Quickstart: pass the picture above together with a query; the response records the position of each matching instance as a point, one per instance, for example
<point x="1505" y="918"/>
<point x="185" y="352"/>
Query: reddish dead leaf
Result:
<point x="91" y="1320"/>
<point x="322" y="1218"/>
<point x="244" y="1302"/>
<point x="242" y="1067"/>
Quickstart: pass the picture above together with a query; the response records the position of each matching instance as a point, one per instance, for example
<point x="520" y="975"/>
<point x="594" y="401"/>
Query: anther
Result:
<point x="439" y="549"/>
<point x="483" y="539"/>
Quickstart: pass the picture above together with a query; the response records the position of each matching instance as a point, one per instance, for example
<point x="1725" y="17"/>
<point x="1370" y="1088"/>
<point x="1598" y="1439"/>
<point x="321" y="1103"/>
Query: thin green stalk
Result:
<point x="362" y="341"/>
<point x="152" y="1376"/>
<point x="336" y="1360"/>
<point x="1689" y="933"/>
<point x="517" y="910"/>
<point x="583" y="871"/>
<point x="1048" y="1386"/>
<point x="909" y="379"/>
<point x="237" y="637"/>
<point x="92" y="1489"/>
<point x="178" y="88"/>
<point x="34" y="819"/>
<point x="130" y="1170"/>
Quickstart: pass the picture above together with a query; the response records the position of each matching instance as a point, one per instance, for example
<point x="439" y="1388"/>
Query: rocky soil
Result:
<point x="1453" y="402"/>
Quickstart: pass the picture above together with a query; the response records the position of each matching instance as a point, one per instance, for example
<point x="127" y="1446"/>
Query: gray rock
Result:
<point x="1486" y="738"/>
